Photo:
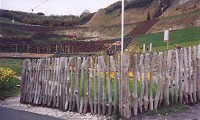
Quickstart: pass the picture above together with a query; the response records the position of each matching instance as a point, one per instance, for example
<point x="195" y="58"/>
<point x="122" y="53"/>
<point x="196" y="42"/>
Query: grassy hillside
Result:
<point x="184" y="37"/>
<point x="132" y="14"/>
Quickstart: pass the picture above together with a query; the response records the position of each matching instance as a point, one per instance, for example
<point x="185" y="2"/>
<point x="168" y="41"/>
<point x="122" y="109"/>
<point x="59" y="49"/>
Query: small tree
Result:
<point x="85" y="13"/>
<point x="148" y="16"/>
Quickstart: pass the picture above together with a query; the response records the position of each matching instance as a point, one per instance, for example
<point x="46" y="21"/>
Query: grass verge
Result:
<point x="9" y="92"/>
<point x="167" y="110"/>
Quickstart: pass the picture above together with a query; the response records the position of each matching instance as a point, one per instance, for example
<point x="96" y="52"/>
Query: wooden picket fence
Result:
<point x="100" y="85"/>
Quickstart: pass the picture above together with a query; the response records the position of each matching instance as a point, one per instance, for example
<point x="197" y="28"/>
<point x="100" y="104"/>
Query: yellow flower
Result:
<point x="131" y="74"/>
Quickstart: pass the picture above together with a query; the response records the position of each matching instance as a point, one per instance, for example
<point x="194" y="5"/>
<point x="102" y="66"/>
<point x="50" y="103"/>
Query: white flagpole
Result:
<point x="122" y="51"/>
<point x="122" y="32"/>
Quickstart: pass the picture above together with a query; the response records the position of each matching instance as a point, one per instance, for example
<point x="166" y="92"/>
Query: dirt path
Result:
<point x="191" y="113"/>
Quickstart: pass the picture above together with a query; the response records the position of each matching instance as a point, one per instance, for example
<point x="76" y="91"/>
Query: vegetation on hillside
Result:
<point x="41" y="19"/>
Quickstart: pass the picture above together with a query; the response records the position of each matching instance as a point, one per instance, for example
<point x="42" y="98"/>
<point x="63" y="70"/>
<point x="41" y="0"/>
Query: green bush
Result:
<point x="7" y="78"/>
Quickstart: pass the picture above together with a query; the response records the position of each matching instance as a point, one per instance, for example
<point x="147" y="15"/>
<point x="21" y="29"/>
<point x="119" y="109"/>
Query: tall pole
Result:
<point x="122" y="52"/>
<point x="122" y="32"/>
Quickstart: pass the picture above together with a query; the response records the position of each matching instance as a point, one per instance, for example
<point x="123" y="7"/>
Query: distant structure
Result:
<point x="111" y="49"/>
<point x="13" y="21"/>
<point x="177" y="46"/>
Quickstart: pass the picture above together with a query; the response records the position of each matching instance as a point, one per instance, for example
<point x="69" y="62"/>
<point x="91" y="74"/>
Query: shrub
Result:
<point x="7" y="78"/>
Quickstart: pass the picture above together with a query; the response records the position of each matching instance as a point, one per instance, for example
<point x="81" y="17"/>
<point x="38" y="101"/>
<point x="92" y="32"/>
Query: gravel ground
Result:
<point x="192" y="113"/>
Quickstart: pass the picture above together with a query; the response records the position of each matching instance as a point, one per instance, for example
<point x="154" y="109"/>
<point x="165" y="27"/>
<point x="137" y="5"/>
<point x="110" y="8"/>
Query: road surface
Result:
<point x="11" y="114"/>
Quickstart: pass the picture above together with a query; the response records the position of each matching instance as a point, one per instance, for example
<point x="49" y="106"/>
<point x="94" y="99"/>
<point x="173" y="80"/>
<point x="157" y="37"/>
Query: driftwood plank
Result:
<point x="72" y="77"/>
<point x="141" y="75"/>
<point x="99" y="87"/>
<point x="113" y="67"/>
<point x="87" y="86"/>
<point x="185" y="75"/>
<point x="23" y="83"/>
<point x="78" y="77"/>
<point x="146" y="71"/>
<point x="198" y="57"/>
<point x="125" y="101"/>
<point x="73" y="100"/>
<point x="177" y="75"/>
<point x="166" y="93"/>
<point x="171" y="78"/>
<point x="135" y="91"/>
<point x="181" y="77"/>
<point x="151" y="80"/>
<point x="82" y="81"/>
<point x="190" y="90"/>
<point x="68" y="83"/>
<point x="103" y="66"/>
<point x="160" y="81"/>
<point x="95" y="85"/>
<point x="194" y="75"/>
<point x="90" y="85"/>
<point x="109" y="82"/>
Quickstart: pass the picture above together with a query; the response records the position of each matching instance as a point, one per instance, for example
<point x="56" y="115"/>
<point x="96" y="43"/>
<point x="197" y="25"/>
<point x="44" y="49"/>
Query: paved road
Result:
<point x="10" y="114"/>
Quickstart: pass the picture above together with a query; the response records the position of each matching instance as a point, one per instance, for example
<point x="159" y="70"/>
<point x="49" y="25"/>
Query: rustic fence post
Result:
<point x="116" y="105"/>
<point x="87" y="85"/>
<point x="190" y="90"/>
<point x="141" y="75"/>
<point x="109" y="87"/>
<point x="95" y="86"/>
<point x="135" y="92"/>
<point x="166" y="93"/>
<point x="194" y="75"/>
<point x="146" y="86"/>
<point x="78" y="76"/>
<point x="152" y="62"/>
<point x="198" y="72"/>
<point x="177" y="76"/>
<point x="90" y="85"/>
<point x="99" y="87"/>
<point x="23" y="83"/>
<point x="126" y="112"/>
<point x="185" y="75"/>
<point x="160" y="81"/>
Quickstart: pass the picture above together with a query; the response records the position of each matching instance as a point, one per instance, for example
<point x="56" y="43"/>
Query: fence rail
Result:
<point x="100" y="85"/>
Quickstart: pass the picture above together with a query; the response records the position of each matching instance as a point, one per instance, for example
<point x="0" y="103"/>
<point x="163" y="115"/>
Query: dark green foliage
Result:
<point x="40" y="13"/>
<point x="128" y="5"/>
<point x="40" y="18"/>
<point x="84" y="19"/>
<point x="137" y="3"/>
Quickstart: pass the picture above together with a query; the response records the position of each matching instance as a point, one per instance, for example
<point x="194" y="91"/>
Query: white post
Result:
<point x="144" y="49"/>
<point x="150" y="47"/>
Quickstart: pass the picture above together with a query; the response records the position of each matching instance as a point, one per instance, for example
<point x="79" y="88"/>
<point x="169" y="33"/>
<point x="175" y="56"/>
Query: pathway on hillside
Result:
<point x="143" y="27"/>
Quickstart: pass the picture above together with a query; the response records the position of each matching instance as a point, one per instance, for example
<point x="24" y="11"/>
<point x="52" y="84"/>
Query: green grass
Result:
<point x="15" y="64"/>
<point x="9" y="92"/>
<point x="185" y="37"/>
<point x="167" y="110"/>
<point x="181" y="16"/>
